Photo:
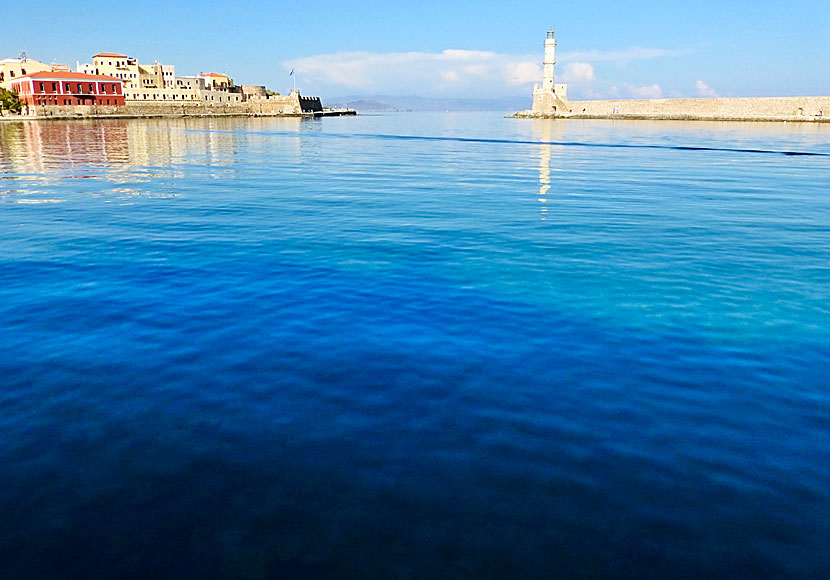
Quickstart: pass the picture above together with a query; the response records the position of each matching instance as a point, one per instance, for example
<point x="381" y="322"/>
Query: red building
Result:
<point x="68" y="88"/>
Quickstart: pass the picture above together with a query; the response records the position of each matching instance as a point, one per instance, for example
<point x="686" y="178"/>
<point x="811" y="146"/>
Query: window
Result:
<point x="54" y="87"/>
<point x="103" y="89"/>
<point x="23" y="71"/>
<point x="91" y="88"/>
<point x="41" y="88"/>
<point x="67" y="89"/>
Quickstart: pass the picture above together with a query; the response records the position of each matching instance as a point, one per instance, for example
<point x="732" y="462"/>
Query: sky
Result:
<point x="459" y="49"/>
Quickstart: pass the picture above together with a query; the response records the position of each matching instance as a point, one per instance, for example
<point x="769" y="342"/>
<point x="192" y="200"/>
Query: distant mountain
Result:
<point x="365" y="105"/>
<point x="385" y="103"/>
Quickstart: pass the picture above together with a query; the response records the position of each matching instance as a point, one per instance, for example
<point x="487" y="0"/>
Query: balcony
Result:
<point x="79" y="95"/>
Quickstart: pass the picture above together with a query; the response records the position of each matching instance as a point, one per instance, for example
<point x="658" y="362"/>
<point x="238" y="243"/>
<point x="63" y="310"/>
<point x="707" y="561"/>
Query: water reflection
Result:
<point x="543" y="132"/>
<point x="33" y="147"/>
<point x="38" y="147"/>
<point x="128" y="152"/>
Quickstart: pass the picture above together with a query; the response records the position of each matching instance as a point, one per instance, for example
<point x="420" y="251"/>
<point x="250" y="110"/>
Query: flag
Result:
<point x="292" y="72"/>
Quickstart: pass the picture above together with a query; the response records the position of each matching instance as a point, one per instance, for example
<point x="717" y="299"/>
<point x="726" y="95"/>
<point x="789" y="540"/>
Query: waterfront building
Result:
<point x="47" y="88"/>
<point x="12" y="68"/>
<point x="218" y="93"/>
<point x="217" y="82"/>
<point x="142" y="83"/>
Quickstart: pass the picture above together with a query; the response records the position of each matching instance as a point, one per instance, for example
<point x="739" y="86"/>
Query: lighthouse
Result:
<point x="549" y="98"/>
<point x="550" y="60"/>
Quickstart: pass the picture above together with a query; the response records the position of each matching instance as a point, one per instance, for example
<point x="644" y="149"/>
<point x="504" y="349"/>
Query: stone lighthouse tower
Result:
<point x="550" y="60"/>
<point x="550" y="98"/>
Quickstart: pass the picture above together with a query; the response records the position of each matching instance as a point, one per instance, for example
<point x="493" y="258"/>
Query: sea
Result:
<point x="414" y="346"/>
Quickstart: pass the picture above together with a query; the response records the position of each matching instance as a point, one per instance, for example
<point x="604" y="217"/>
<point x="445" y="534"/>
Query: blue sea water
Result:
<point x="414" y="346"/>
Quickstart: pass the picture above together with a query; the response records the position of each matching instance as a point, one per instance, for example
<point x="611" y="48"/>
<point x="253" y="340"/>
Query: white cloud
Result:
<point x="457" y="72"/>
<point x="428" y="73"/>
<point x="450" y="75"/>
<point x="521" y="73"/>
<point x="647" y="92"/>
<point x="578" y="71"/>
<point x="705" y="90"/>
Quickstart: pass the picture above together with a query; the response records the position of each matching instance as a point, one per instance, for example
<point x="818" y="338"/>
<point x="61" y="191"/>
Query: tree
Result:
<point x="9" y="101"/>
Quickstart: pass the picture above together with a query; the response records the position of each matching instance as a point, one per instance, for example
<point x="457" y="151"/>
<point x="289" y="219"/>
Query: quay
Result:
<point x="292" y="105"/>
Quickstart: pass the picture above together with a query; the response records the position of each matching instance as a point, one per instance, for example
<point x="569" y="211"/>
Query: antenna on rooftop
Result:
<point x="23" y="56"/>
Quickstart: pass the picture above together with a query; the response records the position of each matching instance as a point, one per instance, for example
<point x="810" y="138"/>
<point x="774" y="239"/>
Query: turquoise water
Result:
<point x="412" y="346"/>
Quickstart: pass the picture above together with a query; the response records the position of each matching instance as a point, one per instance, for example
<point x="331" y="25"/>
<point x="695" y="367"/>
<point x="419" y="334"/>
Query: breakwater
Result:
<point x="808" y="109"/>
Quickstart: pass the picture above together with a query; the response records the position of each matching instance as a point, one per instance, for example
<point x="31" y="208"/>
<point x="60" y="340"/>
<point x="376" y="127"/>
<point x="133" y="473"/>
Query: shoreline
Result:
<point x="99" y="116"/>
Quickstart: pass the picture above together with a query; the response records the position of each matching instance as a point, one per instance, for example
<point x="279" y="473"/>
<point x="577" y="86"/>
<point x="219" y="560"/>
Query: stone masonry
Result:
<point x="709" y="109"/>
<point x="288" y="105"/>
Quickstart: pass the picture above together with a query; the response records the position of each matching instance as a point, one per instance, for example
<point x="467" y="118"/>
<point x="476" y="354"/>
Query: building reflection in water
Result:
<point x="43" y="147"/>
<point x="130" y="151"/>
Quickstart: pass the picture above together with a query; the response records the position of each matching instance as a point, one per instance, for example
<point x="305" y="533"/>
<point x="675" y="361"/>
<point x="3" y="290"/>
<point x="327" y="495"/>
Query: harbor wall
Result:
<point x="270" y="106"/>
<point x="726" y="109"/>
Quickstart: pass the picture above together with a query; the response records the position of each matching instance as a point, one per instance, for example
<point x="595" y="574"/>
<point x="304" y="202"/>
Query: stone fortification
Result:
<point x="254" y="91"/>
<point x="709" y="109"/>
<point x="289" y="105"/>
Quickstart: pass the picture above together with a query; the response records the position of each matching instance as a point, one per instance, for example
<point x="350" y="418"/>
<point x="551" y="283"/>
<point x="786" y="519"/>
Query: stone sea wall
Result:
<point x="272" y="106"/>
<point x="726" y="109"/>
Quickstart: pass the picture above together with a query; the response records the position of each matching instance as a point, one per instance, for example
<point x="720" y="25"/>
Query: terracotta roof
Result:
<point x="66" y="76"/>
<point x="111" y="54"/>
<point x="214" y="75"/>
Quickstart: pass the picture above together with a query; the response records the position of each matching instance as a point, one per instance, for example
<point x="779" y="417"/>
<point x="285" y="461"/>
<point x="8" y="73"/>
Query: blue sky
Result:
<point x="453" y="49"/>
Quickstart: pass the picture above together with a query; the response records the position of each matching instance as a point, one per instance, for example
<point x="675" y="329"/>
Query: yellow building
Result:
<point x="12" y="68"/>
<point x="158" y="83"/>
<point x="142" y="83"/>
<point x="217" y="82"/>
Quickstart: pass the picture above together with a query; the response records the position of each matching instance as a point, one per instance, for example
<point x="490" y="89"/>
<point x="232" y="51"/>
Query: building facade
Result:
<point x="209" y="93"/>
<point x="12" y="68"/>
<point x="47" y="88"/>
<point x="217" y="82"/>
<point x="142" y="83"/>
